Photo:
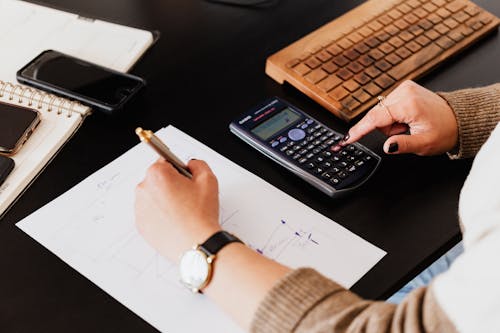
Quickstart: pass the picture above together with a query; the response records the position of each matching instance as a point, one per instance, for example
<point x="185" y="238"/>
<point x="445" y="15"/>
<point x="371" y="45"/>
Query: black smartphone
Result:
<point x="99" y="87"/>
<point x="17" y="123"/>
<point x="6" y="166"/>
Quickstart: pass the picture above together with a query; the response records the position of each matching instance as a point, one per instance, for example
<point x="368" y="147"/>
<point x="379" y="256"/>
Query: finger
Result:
<point x="394" y="129"/>
<point x="377" y="117"/>
<point x="402" y="144"/>
<point x="200" y="169"/>
<point x="161" y="170"/>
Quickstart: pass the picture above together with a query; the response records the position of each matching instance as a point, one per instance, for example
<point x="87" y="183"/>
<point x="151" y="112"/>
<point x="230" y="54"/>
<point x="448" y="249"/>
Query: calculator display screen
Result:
<point x="275" y="124"/>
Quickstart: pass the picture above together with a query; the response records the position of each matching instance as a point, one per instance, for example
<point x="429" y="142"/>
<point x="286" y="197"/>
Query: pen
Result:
<point x="162" y="149"/>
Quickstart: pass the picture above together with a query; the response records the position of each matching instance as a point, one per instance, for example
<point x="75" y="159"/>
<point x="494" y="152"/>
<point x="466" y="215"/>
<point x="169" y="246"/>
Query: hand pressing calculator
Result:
<point x="303" y="145"/>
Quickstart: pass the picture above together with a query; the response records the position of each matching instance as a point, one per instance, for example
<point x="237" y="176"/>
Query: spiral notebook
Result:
<point x="27" y="30"/>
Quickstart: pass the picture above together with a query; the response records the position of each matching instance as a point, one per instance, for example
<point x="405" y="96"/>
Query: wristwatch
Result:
<point x="196" y="264"/>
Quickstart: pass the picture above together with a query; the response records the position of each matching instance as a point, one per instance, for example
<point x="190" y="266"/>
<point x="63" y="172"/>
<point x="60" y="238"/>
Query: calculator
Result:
<point x="304" y="146"/>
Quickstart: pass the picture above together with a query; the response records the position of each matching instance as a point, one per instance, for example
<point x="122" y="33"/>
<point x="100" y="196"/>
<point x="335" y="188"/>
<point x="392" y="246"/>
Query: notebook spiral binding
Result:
<point x="38" y="97"/>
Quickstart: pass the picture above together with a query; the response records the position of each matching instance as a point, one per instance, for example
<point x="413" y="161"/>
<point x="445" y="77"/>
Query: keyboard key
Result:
<point x="406" y="36"/>
<point x="455" y="6"/>
<point x="391" y="30"/>
<point x="340" y="60"/>
<point x="401" y="24"/>
<point x="330" y="67"/>
<point x="404" y="8"/>
<point x="365" y="31"/>
<point x="327" y="175"/>
<point x="372" y="42"/>
<point x="372" y="72"/>
<point x="313" y="62"/>
<point x="445" y="42"/>
<point x="351" y="54"/>
<point x="396" y="42"/>
<point x="414" y="47"/>
<point x="432" y="34"/>
<point x="416" y="30"/>
<point x="375" y="26"/>
<point x="395" y="14"/>
<point x="355" y="37"/>
<point x="350" y="103"/>
<point x="324" y="56"/>
<point x="472" y="10"/>
<point x="420" y="12"/>
<point x="385" y="20"/>
<point x="386" y="48"/>
<point x="393" y="59"/>
<point x="422" y="40"/>
<point x="334" y="49"/>
<point x="461" y="17"/>
<point x="373" y="89"/>
<point x="403" y="52"/>
<point x="329" y="83"/>
<point x="343" y="174"/>
<point x="434" y="18"/>
<point x="362" y="48"/>
<point x="451" y="23"/>
<point x="425" y="24"/>
<point x="316" y="75"/>
<point x="365" y="60"/>
<point x="415" y="61"/>
<point x="384" y="81"/>
<point x="338" y="93"/>
<point x="443" y="13"/>
<point x="383" y="36"/>
<point x="361" y="95"/>
<point x="344" y="74"/>
<point x="355" y="67"/>
<point x="413" y="3"/>
<point x="383" y="65"/>
<point x="362" y="78"/>
<point x="429" y="7"/>
<point x="376" y="54"/>
<point x="410" y="18"/>
<point x="351" y="85"/>
<point x="301" y="69"/>
<point x="345" y="43"/>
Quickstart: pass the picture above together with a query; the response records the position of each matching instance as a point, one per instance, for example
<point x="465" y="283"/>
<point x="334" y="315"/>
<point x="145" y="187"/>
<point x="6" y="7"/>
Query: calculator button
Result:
<point x="289" y="152"/>
<point x="317" y="126"/>
<point x="344" y="153"/>
<point x="310" y="165"/>
<point x="303" y="143"/>
<point x="342" y="174"/>
<point x="329" y="134"/>
<point x="309" y="121"/>
<point x="283" y="148"/>
<point x="296" y="156"/>
<point x="351" y="168"/>
<point x="358" y="153"/>
<point x="303" y="151"/>
<point x="334" y="180"/>
<point x="311" y="130"/>
<point x="335" y="169"/>
<point x="327" y="153"/>
<point x="311" y="146"/>
<point x="310" y="138"/>
<point x="316" y="134"/>
<point x="327" y="175"/>
<point x="326" y="165"/>
<point x="317" y="142"/>
<point x="316" y="151"/>
<point x="274" y="144"/>
<point x="351" y="158"/>
<point x="318" y="170"/>
<point x="336" y="158"/>
<point x="342" y="164"/>
<point x="319" y="159"/>
<point x="295" y="148"/>
<point x="337" y="137"/>
<point x="351" y="148"/>
<point x="310" y="155"/>
<point x="283" y="139"/>
<point x="359" y="163"/>
<point x="330" y="142"/>
<point x="367" y="158"/>
<point x="323" y="138"/>
<point x="304" y="126"/>
<point x="296" y="134"/>
<point x="303" y="160"/>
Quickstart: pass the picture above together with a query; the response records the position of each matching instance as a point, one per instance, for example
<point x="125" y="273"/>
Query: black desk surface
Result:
<point x="207" y="68"/>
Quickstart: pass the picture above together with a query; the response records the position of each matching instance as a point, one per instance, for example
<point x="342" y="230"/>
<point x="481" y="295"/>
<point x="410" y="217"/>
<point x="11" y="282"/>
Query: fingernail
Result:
<point x="346" y="137"/>
<point x="393" y="147"/>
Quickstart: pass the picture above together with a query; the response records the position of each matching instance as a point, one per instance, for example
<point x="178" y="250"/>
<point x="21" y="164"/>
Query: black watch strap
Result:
<point x="217" y="241"/>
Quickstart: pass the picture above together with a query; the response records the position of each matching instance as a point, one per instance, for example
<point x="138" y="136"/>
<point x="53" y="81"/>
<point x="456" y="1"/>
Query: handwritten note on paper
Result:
<point x="91" y="227"/>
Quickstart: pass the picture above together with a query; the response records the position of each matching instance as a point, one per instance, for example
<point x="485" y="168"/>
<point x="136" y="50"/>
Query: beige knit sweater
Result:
<point x="306" y="301"/>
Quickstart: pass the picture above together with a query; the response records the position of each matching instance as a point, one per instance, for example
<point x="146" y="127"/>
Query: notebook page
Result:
<point x="91" y="227"/>
<point x="28" y="29"/>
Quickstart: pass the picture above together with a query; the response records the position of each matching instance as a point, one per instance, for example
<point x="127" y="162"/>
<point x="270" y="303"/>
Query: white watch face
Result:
<point x="194" y="269"/>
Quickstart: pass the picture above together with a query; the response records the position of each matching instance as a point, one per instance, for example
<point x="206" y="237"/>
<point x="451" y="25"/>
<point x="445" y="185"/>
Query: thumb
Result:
<point x="404" y="144"/>
<point x="199" y="169"/>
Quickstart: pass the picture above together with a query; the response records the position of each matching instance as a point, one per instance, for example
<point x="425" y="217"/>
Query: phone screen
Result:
<point x="82" y="78"/>
<point x="15" y="122"/>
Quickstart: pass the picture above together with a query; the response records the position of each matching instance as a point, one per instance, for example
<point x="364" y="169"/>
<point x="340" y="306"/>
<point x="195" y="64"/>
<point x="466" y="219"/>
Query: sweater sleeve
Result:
<point x="477" y="111"/>
<point x="306" y="301"/>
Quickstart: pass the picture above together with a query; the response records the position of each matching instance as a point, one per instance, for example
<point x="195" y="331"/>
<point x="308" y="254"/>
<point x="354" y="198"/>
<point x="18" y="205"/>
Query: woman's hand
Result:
<point x="173" y="212"/>
<point x="410" y="107"/>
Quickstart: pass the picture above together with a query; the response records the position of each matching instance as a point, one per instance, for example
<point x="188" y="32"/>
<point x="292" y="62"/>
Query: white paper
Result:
<point x="91" y="227"/>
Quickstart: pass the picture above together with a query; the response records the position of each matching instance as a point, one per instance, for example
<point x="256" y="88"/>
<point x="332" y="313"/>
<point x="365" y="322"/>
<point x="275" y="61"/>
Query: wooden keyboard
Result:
<point x="347" y="63"/>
